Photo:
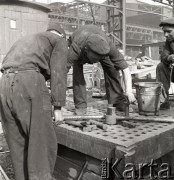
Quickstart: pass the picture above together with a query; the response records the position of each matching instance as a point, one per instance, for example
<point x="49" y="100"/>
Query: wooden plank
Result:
<point x="143" y="72"/>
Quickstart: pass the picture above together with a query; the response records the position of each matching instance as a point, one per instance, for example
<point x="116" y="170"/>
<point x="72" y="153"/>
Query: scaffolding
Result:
<point x="116" y="22"/>
<point x="110" y="16"/>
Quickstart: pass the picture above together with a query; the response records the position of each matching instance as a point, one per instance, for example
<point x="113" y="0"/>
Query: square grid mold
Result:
<point x="120" y="135"/>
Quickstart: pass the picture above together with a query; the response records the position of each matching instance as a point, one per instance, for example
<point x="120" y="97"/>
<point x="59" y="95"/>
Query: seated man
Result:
<point x="164" y="70"/>
<point x="89" y="44"/>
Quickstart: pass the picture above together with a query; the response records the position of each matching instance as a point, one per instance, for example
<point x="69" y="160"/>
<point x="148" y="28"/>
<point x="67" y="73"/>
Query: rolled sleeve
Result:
<point x="117" y="58"/>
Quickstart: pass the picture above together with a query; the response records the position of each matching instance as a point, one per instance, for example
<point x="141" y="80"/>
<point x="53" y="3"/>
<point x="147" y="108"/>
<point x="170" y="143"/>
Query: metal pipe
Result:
<point x="147" y="12"/>
<point x="78" y="19"/>
<point x="120" y="118"/>
<point x="124" y="26"/>
<point x="145" y="119"/>
<point x="84" y="117"/>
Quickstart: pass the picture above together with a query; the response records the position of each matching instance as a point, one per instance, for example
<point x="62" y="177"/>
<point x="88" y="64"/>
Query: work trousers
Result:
<point x="163" y="75"/>
<point x="114" y="90"/>
<point x="25" y="108"/>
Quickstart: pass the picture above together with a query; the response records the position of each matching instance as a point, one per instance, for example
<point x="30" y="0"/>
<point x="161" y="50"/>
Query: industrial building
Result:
<point x="19" y="18"/>
<point x="106" y="144"/>
<point x="141" y="21"/>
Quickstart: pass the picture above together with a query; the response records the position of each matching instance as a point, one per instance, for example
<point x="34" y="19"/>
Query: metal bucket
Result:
<point x="148" y="96"/>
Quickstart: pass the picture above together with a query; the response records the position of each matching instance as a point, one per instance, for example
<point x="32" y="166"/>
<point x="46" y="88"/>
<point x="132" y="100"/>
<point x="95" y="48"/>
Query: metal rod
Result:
<point x="106" y="5"/>
<point x="124" y="26"/>
<point x="83" y="117"/>
<point x="120" y="118"/>
<point x="148" y="12"/>
<point x="92" y="13"/>
<point x="145" y="119"/>
<point x="82" y="171"/>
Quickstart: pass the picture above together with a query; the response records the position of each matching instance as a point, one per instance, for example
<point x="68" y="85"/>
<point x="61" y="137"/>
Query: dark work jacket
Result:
<point x="46" y="51"/>
<point x="78" y="42"/>
<point x="168" y="50"/>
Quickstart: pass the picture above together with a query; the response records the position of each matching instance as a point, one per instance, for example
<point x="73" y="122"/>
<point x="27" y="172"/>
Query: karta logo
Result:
<point x="144" y="170"/>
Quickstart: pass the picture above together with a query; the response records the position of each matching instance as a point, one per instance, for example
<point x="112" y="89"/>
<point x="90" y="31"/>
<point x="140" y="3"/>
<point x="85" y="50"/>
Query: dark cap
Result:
<point x="98" y="44"/>
<point x="56" y="26"/>
<point x="167" y="22"/>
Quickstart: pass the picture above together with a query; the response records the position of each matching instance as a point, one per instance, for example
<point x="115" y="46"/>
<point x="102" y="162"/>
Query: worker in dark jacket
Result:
<point x="25" y="102"/>
<point x="89" y="44"/>
<point x="164" y="71"/>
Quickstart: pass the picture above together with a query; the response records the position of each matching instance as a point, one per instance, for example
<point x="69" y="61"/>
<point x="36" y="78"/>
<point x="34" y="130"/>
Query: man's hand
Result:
<point x="170" y="58"/>
<point x="128" y="85"/>
<point x="58" y="115"/>
<point x="130" y="96"/>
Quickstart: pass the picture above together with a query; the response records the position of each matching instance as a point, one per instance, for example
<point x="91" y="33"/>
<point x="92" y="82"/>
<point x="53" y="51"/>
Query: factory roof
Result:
<point x="147" y="20"/>
<point x="34" y="5"/>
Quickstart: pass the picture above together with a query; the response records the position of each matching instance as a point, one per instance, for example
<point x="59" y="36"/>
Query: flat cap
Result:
<point x="56" y="26"/>
<point x="98" y="44"/>
<point x="167" y="22"/>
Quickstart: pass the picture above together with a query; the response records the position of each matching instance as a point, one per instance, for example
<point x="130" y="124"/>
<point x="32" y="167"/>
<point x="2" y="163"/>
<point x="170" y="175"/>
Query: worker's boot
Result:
<point x="165" y="105"/>
<point x="80" y="111"/>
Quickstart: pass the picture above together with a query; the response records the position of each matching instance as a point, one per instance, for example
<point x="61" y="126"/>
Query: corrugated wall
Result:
<point x="17" y="21"/>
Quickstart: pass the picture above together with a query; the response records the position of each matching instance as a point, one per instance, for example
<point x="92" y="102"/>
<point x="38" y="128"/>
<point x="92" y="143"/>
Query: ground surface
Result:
<point x="5" y="160"/>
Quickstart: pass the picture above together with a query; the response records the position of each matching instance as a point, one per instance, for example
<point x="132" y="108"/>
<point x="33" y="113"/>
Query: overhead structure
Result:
<point x="116" y="22"/>
<point x="114" y="18"/>
<point x="74" y="14"/>
<point x="166" y="2"/>
<point x="81" y="12"/>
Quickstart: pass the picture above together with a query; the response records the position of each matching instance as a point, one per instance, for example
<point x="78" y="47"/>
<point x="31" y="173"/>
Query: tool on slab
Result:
<point x="128" y="124"/>
<point x="100" y="125"/>
<point x="85" y="117"/>
<point x="118" y="118"/>
<point x="84" y="127"/>
<point x="80" y="118"/>
<point x="110" y="117"/>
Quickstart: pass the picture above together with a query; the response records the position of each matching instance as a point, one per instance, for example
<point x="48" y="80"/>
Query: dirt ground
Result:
<point x="5" y="160"/>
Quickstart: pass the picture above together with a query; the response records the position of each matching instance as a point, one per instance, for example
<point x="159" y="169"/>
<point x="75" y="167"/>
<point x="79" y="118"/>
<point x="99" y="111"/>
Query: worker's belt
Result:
<point x="17" y="70"/>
